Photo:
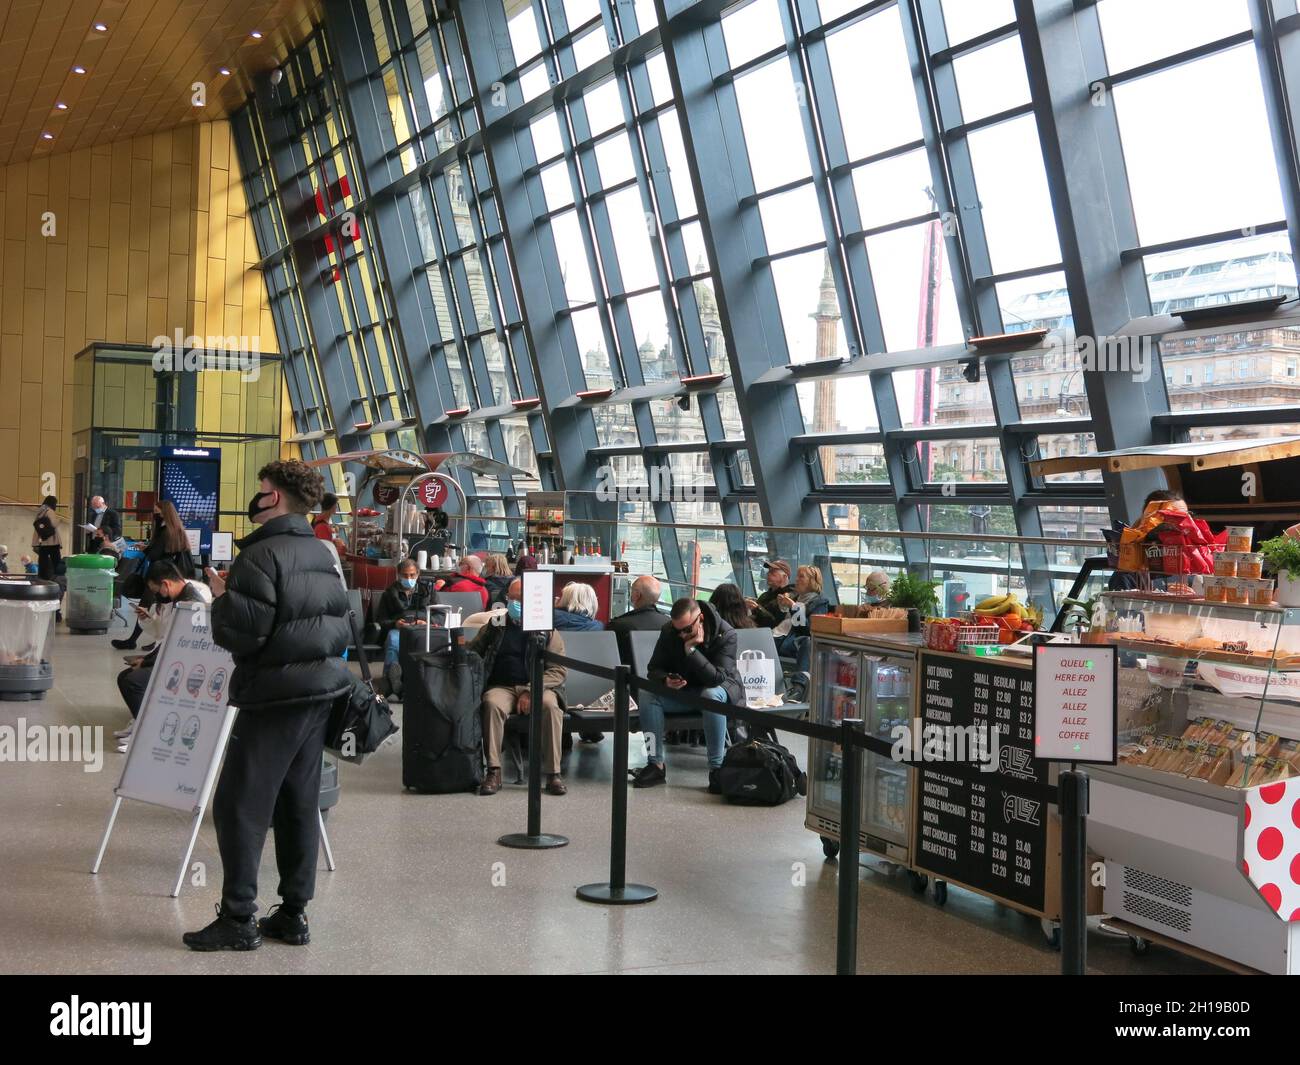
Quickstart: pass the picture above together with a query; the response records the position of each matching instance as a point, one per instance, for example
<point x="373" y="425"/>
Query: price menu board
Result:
<point x="985" y="830"/>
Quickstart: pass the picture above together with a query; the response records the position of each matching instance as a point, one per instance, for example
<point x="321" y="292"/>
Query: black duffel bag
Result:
<point x="760" y="772"/>
<point x="360" y="720"/>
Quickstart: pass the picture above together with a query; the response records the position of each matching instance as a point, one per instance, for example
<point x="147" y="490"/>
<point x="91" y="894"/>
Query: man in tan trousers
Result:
<point x="506" y="651"/>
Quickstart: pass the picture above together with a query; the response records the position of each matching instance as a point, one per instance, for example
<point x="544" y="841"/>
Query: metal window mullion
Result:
<point x="1279" y="56"/>
<point x="570" y="432"/>
<point x="285" y="156"/>
<point x="1082" y="156"/>
<point x="714" y="143"/>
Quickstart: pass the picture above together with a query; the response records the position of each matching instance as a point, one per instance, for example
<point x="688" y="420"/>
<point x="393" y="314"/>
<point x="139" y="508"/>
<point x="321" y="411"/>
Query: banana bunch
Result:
<point x="999" y="605"/>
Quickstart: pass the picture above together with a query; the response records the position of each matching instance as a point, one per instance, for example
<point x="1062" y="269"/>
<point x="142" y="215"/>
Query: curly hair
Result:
<point x="302" y="486"/>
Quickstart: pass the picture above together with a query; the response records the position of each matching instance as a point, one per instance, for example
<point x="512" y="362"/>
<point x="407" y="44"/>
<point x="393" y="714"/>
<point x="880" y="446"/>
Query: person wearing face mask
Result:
<point x="282" y="613"/>
<point x="167" y="544"/>
<point x="400" y="607"/>
<point x="168" y="586"/>
<point x="506" y="651"/>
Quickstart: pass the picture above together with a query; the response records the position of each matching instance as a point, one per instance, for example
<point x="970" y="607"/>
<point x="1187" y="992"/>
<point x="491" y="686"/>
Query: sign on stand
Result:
<point x="1075" y="705"/>
<point x="183" y="725"/>
<point x="538" y="594"/>
<point x="983" y="830"/>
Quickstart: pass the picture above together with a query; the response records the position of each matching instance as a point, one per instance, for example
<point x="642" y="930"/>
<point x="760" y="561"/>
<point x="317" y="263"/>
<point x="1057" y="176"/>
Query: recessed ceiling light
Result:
<point x="100" y="27"/>
<point x="224" y="72"/>
<point x="78" y="69"/>
<point x="60" y="106"/>
<point x="47" y="136"/>
<point x="256" y="35"/>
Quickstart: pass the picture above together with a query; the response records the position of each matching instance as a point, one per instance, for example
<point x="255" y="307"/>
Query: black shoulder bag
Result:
<point x="360" y="720"/>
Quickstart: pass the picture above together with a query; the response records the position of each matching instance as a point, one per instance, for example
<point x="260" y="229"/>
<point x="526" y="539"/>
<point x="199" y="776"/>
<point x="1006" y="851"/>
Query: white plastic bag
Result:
<point x="638" y="756"/>
<point x="758" y="674"/>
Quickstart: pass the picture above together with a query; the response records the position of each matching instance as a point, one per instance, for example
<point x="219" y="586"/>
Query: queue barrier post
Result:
<point x="535" y="838"/>
<point x="1072" y="788"/>
<point x="846" y="930"/>
<point x="618" y="892"/>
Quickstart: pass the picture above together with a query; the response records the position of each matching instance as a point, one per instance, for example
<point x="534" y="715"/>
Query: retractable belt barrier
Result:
<point x="617" y="891"/>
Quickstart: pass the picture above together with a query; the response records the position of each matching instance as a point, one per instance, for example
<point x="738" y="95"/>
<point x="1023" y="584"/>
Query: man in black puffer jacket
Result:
<point x="282" y="613"/>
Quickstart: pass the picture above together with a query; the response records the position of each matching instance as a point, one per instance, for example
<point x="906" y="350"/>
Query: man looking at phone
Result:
<point x="696" y="655"/>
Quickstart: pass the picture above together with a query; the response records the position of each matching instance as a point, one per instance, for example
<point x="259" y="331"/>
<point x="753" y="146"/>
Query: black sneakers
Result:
<point x="715" y="785"/>
<point x="649" y="775"/>
<point x="288" y="926"/>
<point x="393" y="675"/>
<point x="225" y="933"/>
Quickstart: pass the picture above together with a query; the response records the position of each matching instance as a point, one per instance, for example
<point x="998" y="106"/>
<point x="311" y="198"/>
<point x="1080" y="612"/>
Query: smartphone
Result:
<point x="675" y="676"/>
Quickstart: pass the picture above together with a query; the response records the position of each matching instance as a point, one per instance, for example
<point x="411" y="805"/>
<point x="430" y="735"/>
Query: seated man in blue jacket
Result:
<point x="695" y="654"/>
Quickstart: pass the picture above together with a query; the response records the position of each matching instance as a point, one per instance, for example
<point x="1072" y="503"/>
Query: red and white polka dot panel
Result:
<point x="1270" y="827"/>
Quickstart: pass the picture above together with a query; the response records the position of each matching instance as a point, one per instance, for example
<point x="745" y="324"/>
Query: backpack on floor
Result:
<point x="760" y="772"/>
<point x="442" y="726"/>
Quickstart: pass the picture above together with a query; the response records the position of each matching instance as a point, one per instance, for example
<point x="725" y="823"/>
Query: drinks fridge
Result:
<point x="872" y="680"/>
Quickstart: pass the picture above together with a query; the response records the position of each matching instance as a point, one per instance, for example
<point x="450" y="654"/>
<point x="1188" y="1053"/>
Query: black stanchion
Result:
<point x="618" y="892"/>
<point x="846" y="931"/>
<point x="535" y="838"/>
<point x="1072" y="787"/>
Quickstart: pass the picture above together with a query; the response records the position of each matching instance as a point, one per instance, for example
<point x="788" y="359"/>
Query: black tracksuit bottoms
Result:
<point x="271" y="778"/>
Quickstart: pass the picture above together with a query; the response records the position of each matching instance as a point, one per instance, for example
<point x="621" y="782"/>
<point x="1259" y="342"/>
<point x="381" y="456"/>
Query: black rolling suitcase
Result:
<point x="442" y="726"/>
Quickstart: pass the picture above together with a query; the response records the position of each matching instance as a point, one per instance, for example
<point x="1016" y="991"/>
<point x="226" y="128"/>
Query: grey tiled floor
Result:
<point x="422" y="886"/>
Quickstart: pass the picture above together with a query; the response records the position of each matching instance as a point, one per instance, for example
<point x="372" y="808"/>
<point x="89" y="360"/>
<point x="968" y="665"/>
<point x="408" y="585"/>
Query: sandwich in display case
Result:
<point x="1209" y="730"/>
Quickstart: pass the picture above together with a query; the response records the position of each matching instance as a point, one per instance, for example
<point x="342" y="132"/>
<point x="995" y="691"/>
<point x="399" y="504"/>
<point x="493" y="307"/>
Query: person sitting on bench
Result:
<point x="507" y="653"/>
<point x="401" y="607"/>
<point x="696" y="655"/>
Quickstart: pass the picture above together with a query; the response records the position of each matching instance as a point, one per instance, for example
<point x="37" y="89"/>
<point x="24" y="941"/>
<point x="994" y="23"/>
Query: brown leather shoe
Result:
<point x="491" y="782"/>
<point x="555" y="785"/>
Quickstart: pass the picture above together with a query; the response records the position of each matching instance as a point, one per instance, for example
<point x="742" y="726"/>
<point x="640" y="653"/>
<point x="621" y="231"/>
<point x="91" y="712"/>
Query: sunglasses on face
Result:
<point x="685" y="631"/>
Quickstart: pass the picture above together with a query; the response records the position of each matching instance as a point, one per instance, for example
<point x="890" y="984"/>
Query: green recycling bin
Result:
<point x="89" y="607"/>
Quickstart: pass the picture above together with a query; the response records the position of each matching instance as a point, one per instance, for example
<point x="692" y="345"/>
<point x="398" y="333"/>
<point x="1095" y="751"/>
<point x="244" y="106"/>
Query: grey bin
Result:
<point x="27" y="608"/>
<point x="329" y="783"/>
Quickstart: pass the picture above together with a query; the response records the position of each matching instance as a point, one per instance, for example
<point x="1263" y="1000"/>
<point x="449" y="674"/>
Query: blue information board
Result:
<point x="191" y="478"/>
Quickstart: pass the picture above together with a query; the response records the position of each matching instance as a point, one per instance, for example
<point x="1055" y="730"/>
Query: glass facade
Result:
<point x="742" y="252"/>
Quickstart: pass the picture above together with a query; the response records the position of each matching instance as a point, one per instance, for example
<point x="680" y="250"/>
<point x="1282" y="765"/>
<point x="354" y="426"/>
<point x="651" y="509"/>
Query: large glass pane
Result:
<point x="629" y="223"/>
<point x="941" y="396"/>
<point x="591" y="348"/>
<point x="908" y="266"/>
<point x="1216" y="104"/>
<point x="679" y="172"/>
<point x="650" y="330"/>
<point x="837" y="404"/>
<point x="770" y="111"/>
<point x="810" y="310"/>
<point x="991" y="79"/>
<point x="522" y="24"/>
<point x="751" y="30"/>
<point x="614" y="160"/>
<point x="1015" y="204"/>
<point x="572" y="253"/>
<point x="604" y="107"/>
<point x="893" y="189"/>
<point x="1228" y="272"/>
<point x="546" y="136"/>
<point x="869" y="62"/>
<point x="1139" y="31"/>
<point x="791" y="219"/>
<point x="965" y="19"/>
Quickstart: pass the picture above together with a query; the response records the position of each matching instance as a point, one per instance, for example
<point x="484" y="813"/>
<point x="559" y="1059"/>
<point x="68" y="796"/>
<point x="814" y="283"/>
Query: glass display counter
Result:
<point x="1209" y="724"/>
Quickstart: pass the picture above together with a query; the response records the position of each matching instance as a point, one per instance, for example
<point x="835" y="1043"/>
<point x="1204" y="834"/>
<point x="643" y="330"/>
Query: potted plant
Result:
<point x="1282" y="557"/>
<point x="915" y="595"/>
<point x="1079" y="614"/>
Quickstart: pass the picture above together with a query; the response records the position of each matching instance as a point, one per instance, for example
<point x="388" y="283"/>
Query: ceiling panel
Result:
<point x="140" y="72"/>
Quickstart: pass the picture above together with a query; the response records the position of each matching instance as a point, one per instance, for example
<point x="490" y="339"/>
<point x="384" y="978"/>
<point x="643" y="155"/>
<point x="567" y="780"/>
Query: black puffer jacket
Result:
<point x="709" y="665"/>
<point x="284" y="618"/>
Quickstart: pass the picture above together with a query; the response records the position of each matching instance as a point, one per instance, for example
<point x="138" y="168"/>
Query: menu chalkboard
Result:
<point x="986" y="830"/>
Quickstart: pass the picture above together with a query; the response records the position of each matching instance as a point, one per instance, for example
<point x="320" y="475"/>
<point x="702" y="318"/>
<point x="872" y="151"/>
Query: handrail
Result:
<point x="869" y="534"/>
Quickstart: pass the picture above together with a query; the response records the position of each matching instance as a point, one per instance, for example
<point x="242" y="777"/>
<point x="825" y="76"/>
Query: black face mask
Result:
<point x="255" y="505"/>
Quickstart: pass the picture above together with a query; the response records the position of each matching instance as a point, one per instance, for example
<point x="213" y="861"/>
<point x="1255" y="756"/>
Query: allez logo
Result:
<point x="120" y="1019"/>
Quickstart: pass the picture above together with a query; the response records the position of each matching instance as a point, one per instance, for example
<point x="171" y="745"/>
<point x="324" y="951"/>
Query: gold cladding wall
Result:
<point x="150" y="235"/>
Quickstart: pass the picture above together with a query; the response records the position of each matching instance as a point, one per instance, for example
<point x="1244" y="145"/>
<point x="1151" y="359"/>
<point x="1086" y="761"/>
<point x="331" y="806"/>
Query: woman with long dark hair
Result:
<point x="167" y="544"/>
<point x="728" y="602"/>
